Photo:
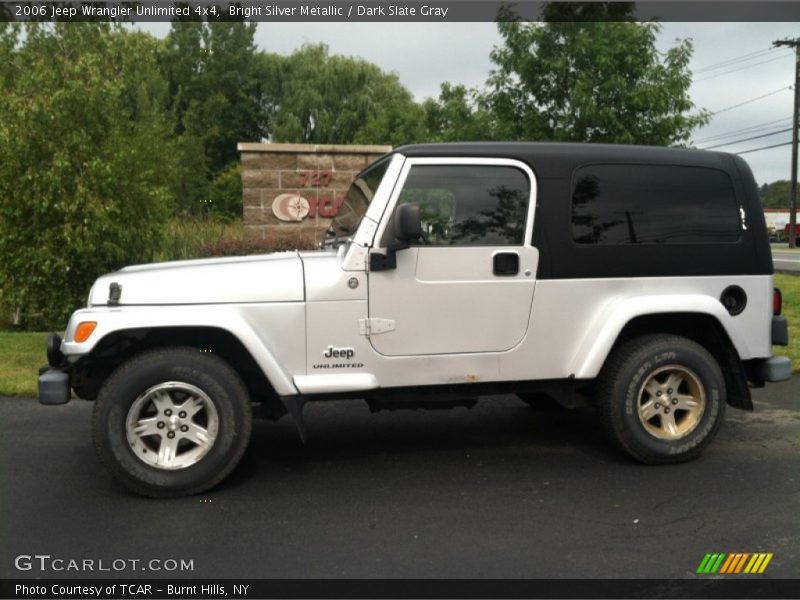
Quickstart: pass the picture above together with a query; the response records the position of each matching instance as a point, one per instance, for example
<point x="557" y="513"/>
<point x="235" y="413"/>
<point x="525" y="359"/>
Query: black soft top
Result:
<point x="554" y="160"/>
<point x="561" y="258"/>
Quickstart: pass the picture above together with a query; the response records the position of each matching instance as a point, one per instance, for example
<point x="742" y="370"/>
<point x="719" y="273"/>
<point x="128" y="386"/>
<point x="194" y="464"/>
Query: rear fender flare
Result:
<point x="608" y="323"/>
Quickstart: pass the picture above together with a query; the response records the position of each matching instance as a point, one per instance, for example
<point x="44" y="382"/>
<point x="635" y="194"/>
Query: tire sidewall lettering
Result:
<point x="687" y="442"/>
<point x="632" y="376"/>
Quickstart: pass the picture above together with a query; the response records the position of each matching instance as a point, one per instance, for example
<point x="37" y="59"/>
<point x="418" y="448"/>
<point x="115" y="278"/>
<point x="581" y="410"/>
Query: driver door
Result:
<point x="466" y="286"/>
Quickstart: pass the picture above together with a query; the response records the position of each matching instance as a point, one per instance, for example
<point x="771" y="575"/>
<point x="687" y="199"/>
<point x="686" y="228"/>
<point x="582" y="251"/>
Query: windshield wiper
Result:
<point x="335" y="241"/>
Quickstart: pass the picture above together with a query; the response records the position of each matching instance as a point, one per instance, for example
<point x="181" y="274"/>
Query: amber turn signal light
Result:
<point x="84" y="330"/>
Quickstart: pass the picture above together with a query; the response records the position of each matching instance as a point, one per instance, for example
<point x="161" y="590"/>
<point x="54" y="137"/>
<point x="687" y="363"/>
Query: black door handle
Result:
<point x="505" y="263"/>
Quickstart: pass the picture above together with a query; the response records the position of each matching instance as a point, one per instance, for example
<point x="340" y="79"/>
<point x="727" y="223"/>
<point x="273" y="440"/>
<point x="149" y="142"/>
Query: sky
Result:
<point x="424" y="55"/>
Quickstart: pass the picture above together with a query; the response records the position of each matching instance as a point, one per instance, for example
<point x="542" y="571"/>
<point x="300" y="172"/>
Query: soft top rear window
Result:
<point x="654" y="204"/>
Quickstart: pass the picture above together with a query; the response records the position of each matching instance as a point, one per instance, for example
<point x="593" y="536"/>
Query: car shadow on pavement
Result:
<point x="345" y="432"/>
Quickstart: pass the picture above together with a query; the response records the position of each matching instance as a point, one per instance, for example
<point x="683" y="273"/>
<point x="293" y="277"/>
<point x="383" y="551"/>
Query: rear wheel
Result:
<point x="172" y="422"/>
<point x="661" y="398"/>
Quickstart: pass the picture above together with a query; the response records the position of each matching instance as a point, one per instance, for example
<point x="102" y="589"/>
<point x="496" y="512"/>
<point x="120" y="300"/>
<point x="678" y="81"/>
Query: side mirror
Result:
<point x="407" y="228"/>
<point x="408" y="222"/>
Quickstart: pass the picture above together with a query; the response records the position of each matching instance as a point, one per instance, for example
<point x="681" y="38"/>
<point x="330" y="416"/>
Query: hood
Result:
<point x="265" y="278"/>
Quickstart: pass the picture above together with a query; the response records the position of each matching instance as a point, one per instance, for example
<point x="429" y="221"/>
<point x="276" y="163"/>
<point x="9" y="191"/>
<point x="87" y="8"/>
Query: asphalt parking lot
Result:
<point x="501" y="491"/>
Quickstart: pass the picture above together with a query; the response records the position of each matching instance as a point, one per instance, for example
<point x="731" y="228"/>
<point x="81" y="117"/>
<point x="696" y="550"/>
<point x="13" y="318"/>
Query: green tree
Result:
<point x="591" y="82"/>
<point x="399" y="121"/>
<point x="553" y="12"/>
<point x="86" y="160"/>
<point x="219" y="89"/>
<point x="9" y="38"/>
<point x="777" y="194"/>
<point x="328" y="99"/>
<point x="215" y="86"/>
<point x="459" y="114"/>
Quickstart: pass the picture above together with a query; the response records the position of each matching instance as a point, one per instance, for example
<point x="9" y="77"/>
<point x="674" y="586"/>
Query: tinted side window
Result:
<point x="469" y="205"/>
<point x="653" y="204"/>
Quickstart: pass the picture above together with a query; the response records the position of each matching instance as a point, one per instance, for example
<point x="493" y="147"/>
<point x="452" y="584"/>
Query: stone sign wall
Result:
<point x="292" y="191"/>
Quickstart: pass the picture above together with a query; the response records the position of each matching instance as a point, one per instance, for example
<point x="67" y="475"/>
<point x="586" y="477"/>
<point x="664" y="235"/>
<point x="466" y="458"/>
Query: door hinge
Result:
<point x="375" y="326"/>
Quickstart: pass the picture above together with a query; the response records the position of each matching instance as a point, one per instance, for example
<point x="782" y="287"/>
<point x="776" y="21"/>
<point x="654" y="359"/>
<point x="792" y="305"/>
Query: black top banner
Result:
<point x="410" y="11"/>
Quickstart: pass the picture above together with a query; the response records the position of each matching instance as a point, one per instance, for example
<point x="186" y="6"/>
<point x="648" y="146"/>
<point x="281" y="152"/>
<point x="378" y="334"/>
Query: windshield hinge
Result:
<point x="375" y="326"/>
<point x="114" y="293"/>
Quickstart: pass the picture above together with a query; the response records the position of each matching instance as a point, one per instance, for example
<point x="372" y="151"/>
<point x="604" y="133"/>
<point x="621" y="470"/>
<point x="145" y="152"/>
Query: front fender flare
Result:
<point x="235" y="319"/>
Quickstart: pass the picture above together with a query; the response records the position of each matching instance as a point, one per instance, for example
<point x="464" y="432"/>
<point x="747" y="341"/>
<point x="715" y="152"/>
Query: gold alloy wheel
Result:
<point x="671" y="402"/>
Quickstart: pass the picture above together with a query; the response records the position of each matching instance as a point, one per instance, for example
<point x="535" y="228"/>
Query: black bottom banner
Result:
<point x="178" y="589"/>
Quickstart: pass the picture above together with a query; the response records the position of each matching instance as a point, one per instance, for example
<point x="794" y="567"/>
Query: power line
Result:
<point x="763" y="62"/>
<point x="755" y="137"/>
<point x="745" y="130"/>
<point x="735" y="59"/>
<point x="772" y="93"/>
<point x="794" y="45"/>
<point x="763" y="148"/>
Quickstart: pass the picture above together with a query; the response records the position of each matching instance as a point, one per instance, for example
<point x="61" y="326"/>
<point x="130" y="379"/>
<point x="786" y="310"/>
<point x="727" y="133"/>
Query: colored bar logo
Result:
<point x="734" y="563"/>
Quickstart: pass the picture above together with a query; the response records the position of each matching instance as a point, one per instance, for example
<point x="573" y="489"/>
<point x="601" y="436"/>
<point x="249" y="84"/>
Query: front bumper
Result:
<point x="54" y="382"/>
<point x="53" y="386"/>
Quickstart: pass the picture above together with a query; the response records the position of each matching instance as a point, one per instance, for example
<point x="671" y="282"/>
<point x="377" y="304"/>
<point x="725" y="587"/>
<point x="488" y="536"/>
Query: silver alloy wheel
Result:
<point x="671" y="402"/>
<point x="172" y="425"/>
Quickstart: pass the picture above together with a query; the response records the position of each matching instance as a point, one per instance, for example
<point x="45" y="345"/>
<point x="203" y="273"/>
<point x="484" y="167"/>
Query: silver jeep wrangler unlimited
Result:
<point x="637" y="278"/>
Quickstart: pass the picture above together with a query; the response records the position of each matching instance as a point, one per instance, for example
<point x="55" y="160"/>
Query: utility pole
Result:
<point x="795" y="43"/>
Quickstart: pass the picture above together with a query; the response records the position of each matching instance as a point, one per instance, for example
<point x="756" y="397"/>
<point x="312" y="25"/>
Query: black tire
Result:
<point x="621" y="392"/>
<point x="540" y="401"/>
<point x="206" y="372"/>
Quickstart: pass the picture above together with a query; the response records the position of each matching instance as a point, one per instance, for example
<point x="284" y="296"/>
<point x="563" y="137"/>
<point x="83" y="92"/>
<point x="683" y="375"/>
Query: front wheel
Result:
<point x="661" y="398"/>
<point x="172" y="422"/>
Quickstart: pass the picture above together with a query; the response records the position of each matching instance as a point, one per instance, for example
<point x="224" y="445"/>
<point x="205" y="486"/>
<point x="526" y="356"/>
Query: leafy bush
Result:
<point x="185" y="236"/>
<point x="225" y="193"/>
<point x="85" y="163"/>
<point x="212" y="235"/>
<point x="301" y="240"/>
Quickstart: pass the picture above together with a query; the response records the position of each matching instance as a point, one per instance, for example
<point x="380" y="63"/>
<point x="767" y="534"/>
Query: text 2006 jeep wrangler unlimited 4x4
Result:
<point x="640" y="277"/>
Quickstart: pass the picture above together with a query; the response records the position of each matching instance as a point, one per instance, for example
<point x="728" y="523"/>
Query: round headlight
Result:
<point x="55" y="358"/>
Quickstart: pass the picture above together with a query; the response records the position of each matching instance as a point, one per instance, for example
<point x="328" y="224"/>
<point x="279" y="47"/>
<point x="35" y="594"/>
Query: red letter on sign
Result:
<point x="328" y="207"/>
<point x="312" y="206"/>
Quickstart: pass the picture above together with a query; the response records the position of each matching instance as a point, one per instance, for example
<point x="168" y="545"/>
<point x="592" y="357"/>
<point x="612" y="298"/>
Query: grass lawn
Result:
<point x="21" y="354"/>
<point x="789" y="286"/>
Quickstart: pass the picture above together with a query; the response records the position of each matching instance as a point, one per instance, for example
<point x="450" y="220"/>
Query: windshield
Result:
<point x="356" y="201"/>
